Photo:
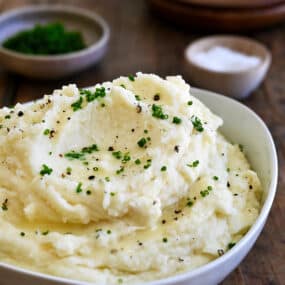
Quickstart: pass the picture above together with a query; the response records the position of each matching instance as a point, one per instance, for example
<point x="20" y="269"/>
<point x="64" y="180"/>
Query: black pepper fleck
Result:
<point x="20" y="113"/>
<point x="138" y="109"/>
<point x="176" y="148"/>
<point x="110" y="148"/>
<point x="220" y="252"/>
<point x="51" y="134"/>
<point x="156" y="97"/>
<point x="91" y="177"/>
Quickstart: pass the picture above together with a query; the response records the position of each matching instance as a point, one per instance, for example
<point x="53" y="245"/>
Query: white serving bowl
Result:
<point x="241" y="125"/>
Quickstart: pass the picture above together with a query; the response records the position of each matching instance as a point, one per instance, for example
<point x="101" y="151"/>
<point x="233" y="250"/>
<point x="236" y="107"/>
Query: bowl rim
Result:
<point x="258" y="224"/>
<point x="265" y="60"/>
<point x="67" y="9"/>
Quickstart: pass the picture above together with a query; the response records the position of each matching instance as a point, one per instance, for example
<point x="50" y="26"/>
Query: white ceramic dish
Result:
<point x="241" y="125"/>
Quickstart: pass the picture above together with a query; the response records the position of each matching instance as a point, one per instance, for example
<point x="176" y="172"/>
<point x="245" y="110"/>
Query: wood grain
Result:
<point x="233" y="3"/>
<point x="140" y="41"/>
<point x="219" y="18"/>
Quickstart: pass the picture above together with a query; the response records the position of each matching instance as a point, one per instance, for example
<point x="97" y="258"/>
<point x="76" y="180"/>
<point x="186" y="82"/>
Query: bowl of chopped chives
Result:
<point x="51" y="42"/>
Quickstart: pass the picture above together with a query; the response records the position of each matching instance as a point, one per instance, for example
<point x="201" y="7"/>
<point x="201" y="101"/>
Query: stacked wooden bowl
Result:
<point x="222" y="15"/>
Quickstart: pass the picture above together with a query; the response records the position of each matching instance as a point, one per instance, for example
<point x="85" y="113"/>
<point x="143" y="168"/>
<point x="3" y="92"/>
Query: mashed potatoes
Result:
<point x="124" y="182"/>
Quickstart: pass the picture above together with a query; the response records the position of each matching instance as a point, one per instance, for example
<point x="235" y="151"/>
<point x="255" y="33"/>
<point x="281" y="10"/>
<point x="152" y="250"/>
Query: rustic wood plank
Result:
<point x="140" y="41"/>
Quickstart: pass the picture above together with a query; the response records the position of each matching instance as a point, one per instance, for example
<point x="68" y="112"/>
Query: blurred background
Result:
<point x="151" y="36"/>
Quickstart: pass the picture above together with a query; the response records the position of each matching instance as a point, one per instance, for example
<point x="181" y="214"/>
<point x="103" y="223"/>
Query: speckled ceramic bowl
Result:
<point x="241" y="125"/>
<point x="94" y="29"/>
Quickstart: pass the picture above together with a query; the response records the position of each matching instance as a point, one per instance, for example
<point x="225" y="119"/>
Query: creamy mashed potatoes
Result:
<point x="124" y="182"/>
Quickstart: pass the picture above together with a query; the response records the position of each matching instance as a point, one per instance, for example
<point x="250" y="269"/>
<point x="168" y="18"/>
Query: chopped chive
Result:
<point x="126" y="158"/>
<point x="90" y="149"/>
<point x="77" y="105"/>
<point x="157" y="112"/>
<point x="117" y="154"/>
<point x="107" y="179"/>
<point x="176" y="120"/>
<point x="137" y="161"/>
<point x="99" y="92"/>
<point x="148" y="164"/>
<point x="131" y="78"/>
<point x="190" y="203"/>
<point x="197" y="124"/>
<point x="5" y="205"/>
<point x="240" y="147"/>
<point x="163" y="168"/>
<point x="78" y="188"/>
<point x="206" y="192"/>
<point x="231" y="245"/>
<point x="119" y="171"/>
<point x="45" y="170"/>
<point x="46" y="132"/>
<point x="194" y="164"/>
<point x="142" y="142"/>
<point x="81" y="154"/>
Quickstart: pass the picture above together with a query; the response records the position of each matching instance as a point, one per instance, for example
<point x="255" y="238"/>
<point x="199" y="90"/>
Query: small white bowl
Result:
<point x="237" y="83"/>
<point x="241" y="125"/>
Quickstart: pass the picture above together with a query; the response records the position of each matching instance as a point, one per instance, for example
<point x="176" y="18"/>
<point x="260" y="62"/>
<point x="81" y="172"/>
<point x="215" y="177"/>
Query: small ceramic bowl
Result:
<point x="93" y="28"/>
<point x="235" y="83"/>
<point x="241" y="125"/>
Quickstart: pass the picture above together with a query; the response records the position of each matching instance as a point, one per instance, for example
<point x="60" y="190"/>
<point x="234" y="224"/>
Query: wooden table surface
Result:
<point x="140" y="41"/>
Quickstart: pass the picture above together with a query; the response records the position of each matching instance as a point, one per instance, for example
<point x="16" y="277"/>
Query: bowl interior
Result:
<point x="72" y="19"/>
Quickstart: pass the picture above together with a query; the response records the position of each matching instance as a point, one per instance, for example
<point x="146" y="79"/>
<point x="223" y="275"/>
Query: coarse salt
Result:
<point x="219" y="58"/>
